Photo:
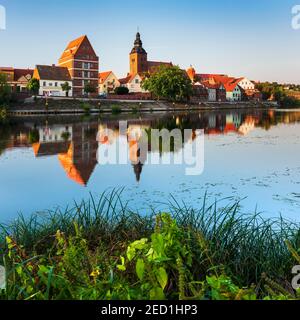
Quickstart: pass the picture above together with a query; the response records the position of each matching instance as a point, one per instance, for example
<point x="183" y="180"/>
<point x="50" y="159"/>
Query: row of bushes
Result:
<point x="115" y="108"/>
<point x="103" y="250"/>
<point x="289" y="102"/>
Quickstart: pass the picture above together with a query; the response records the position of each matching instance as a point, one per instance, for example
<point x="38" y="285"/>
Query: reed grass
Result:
<point x="244" y="245"/>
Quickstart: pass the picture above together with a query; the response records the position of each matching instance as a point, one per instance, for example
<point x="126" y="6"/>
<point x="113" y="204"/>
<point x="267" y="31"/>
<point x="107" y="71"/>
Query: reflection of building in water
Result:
<point x="137" y="153"/>
<point x="137" y="157"/>
<point x="55" y="133"/>
<point x="52" y="140"/>
<point x="109" y="133"/>
<point x="80" y="160"/>
<point x="75" y="145"/>
<point x="234" y="118"/>
<point x="18" y="140"/>
<point x="230" y="123"/>
<point x="138" y="168"/>
<point x="106" y="134"/>
<point x="247" y="126"/>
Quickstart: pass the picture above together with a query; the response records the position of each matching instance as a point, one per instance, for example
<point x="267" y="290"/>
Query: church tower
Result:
<point x="138" y="57"/>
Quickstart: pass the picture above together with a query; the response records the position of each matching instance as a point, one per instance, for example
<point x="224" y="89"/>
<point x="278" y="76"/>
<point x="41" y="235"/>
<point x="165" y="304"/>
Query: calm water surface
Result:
<point x="252" y="155"/>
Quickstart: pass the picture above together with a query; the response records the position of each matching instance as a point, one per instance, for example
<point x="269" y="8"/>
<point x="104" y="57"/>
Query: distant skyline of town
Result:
<point x="226" y="37"/>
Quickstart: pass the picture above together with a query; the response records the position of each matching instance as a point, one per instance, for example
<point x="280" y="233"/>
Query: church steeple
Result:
<point x="138" y="57"/>
<point x="138" y="45"/>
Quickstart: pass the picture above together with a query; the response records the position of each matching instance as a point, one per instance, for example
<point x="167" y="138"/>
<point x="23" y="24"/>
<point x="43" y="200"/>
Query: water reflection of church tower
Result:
<point x="137" y="154"/>
<point x="135" y="158"/>
<point x="138" y="168"/>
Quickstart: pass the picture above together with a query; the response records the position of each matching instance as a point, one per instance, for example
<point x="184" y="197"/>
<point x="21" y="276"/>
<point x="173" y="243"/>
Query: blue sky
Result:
<point x="235" y="37"/>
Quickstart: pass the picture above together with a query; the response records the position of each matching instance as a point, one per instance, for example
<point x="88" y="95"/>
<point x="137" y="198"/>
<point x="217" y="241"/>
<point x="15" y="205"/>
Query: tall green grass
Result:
<point x="244" y="245"/>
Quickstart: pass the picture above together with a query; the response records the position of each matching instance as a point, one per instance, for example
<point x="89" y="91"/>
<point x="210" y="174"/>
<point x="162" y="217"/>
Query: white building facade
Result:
<point x="246" y="84"/>
<point x="51" y="79"/>
<point x="133" y="83"/>
<point x="53" y="88"/>
<point x="233" y="94"/>
<point x="108" y="82"/>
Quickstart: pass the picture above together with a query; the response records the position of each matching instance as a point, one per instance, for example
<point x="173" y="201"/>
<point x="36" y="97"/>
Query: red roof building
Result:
<point x="83" y="65"/>
<point x="17" y="78"/>
<point x="108" y="82"/>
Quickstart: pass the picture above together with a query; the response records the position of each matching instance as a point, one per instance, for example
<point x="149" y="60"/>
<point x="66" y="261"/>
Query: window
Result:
<point x="56" y="84"/>
<point x="86" y="65"/>
<point x="44" y="84"/>
<point x="136" y="81"/>
<point x="50" y="84"/>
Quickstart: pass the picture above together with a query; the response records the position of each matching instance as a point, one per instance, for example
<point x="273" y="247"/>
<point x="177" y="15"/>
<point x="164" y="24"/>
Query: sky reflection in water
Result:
<point x="251" y="154"/>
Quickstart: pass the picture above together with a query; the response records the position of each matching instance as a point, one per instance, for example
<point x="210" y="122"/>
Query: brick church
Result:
<point x="139" y="63"/>
<point x="140" y="67"/>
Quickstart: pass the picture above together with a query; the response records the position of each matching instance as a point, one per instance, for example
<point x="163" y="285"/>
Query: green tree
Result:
<point x="169" y="83"/>
<point x="34" y="86"/>
<point x="278" y="95"/>
<point x="121" y="90"/>
<point x="89" y="88"/>
<point x="66" y="88"/>
<point x="5" y="90"/>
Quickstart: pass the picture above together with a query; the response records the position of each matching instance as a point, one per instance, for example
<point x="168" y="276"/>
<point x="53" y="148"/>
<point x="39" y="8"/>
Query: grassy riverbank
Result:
<point x="102" y="250"/>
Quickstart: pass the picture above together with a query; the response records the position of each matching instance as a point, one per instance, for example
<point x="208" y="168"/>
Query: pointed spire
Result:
<point x="138" y="44"/>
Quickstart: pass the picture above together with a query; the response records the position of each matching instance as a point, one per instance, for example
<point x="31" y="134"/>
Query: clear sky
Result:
<point x="250" y="38"/>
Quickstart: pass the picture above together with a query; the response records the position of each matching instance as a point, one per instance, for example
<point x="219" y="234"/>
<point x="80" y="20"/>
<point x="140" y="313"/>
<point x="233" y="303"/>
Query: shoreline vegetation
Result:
<point x="87" y="106"/>
<point x="102" y="250"/>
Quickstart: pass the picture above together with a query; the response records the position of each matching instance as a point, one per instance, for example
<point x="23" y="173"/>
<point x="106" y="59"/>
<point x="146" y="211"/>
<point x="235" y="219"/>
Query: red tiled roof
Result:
<point x="159" y="63"/>
<point x="231" y="85"/>
<point x="104" y="75"/>
<point x="209" y="85"/>
<point x="6" y="69"/>
<point x="230" y="127"/>
<point x="18" y="73"/>
<point x="53" y="73"/>
<point x="153" y="66"/>
<point x="73" y="46"/>
<point x="125" y="80"/>
<point x="129" y="78"/>
<point x="209" y="75"/>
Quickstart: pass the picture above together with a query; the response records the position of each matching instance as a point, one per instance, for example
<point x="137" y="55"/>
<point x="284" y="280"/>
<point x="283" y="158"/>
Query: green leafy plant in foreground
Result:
<point x="157" y="258"/>
<point x="159" y="267"/>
